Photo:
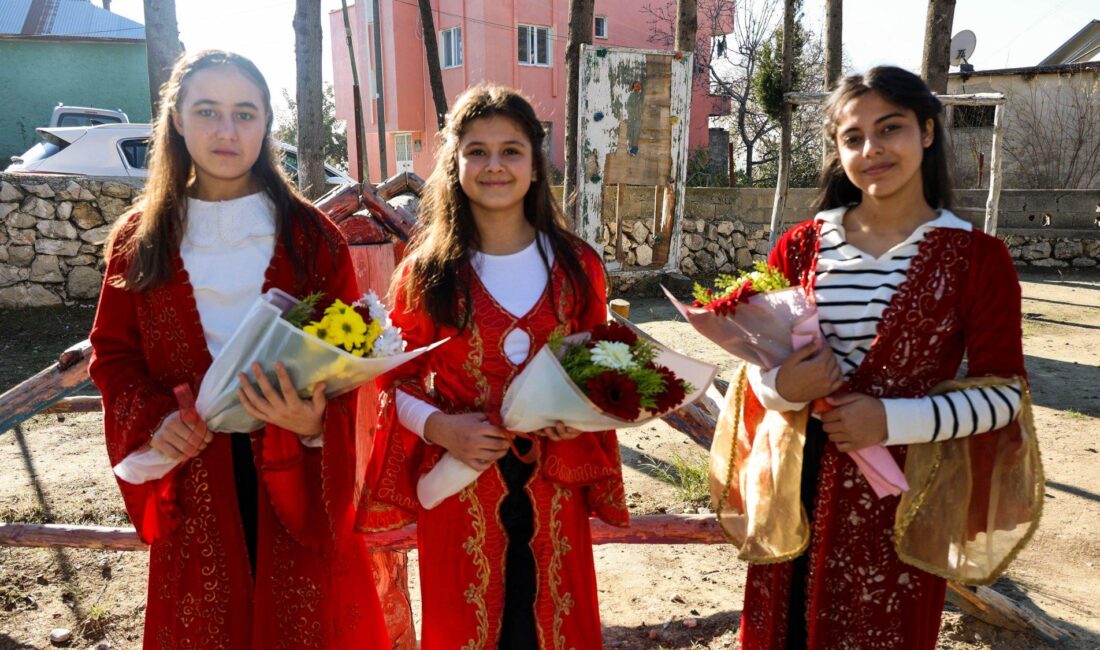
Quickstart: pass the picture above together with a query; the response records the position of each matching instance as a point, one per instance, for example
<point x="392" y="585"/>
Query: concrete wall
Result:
<point x="52" y="230"/>
<point x="36" y="75"/>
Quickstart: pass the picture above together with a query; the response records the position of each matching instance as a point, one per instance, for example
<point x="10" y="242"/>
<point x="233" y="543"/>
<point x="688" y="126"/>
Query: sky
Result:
<point x="1010" y="33"/>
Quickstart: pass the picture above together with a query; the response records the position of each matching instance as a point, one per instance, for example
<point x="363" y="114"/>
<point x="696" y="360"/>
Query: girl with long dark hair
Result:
<point x="507" y="562"/>
<point x="252" y="541"/>
<point x="904" y="290"/>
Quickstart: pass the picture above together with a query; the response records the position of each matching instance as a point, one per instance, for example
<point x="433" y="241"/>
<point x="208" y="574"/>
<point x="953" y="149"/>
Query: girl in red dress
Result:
<point x="252" y="535"/>
<point x="904" y="289"/>
<point x="507" y="562"/>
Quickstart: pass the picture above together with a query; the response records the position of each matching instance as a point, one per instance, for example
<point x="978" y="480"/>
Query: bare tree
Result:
<point x="1053" y="137"/>
<point x="687" y="25"/>
<point x="937" y="44"/>
<point x="435" y="75"/>
<point x="307" y="48"/>
<point x="162" y="44"/>
<point x="580" y="32"/>
<point x="834" y="49"/>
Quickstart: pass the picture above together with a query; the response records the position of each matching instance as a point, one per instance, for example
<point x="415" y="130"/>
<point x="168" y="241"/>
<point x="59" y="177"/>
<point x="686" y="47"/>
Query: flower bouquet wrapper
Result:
<point x="543" y="394"/>
<point x="263" y="336"/>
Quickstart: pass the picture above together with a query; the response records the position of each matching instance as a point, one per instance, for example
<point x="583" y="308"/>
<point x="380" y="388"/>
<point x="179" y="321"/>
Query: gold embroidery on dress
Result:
<point x="563" y="602"/>
<point x="200" y="534"/>
<point x="475" y="547"/>
<point x="473" y="365"/>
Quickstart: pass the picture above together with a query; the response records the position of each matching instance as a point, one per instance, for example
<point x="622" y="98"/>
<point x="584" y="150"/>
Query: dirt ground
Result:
<point x="54" y="469"/>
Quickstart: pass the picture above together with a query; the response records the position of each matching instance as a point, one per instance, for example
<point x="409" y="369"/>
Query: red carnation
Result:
<point x="673" y="394"/>
<point x="363" y="311"/>
<point x="614" y="393"/>
<point x="613" y="332"/>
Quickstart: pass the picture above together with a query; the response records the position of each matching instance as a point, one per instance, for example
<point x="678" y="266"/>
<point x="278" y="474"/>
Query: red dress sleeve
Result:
<point x="134" y="403"/>
<point x="993" y="325"/>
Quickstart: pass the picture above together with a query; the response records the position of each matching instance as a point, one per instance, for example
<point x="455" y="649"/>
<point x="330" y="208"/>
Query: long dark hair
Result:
<point x="163" y="203"/>
<point x="905" y="90"/>
<point x="436" y="272"/>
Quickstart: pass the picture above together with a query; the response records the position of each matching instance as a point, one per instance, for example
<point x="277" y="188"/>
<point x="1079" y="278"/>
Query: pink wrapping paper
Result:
<point x="764" y="331"/>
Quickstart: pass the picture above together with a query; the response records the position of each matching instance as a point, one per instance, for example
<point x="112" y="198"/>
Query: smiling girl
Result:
<point x="904" y="290"/>
<point x="507" y="562"/>
<point x="251" y="539"/>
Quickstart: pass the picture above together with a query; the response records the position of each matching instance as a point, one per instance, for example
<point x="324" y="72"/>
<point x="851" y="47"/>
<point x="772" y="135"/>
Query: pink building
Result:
<point x="512" y="42"/>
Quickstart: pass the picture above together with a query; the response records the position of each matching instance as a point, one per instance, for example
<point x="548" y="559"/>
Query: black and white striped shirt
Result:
<point x="852" y="289"/>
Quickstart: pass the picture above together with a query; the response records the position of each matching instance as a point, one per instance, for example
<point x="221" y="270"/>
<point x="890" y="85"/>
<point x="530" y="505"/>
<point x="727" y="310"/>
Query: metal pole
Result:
<point x="381" y="99"/>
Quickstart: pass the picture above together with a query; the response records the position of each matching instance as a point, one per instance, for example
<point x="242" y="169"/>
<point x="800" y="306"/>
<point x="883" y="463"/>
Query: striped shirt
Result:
<point x="852" y="289"/>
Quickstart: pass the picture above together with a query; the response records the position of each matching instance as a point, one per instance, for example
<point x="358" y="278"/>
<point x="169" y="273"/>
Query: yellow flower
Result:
<point x="374" y="330"/>
<point x="337" y="308"/>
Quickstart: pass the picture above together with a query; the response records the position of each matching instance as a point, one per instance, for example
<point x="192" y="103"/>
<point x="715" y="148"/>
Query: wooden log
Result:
<point x="620" y="307"/>
<point x="341" y="202"/>
<point x="999" y="610"/>
<point x="399" y="183"/>
<point x="60" y="380"/>
<point x="61" y="535"/>
<point x="78" y="404"/>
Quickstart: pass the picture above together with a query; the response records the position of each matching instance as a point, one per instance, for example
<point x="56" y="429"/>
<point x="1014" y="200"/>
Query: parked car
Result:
<point x="83" y="116"/>
<point x="116" y="150"/>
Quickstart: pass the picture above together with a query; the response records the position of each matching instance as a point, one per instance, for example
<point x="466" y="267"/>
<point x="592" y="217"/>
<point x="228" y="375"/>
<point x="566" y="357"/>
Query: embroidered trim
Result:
<point x="475" y="547"/>
<point x="563" y="602"/>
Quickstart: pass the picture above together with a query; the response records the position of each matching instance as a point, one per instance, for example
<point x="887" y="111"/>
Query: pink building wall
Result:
<point x="490" y="53"/>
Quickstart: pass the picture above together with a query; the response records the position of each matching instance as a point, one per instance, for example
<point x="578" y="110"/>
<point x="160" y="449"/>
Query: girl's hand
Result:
<point x="856" y="421"/>
<point x="808" y="373"/>
<point x="179" y="439"/>
<point x="282" y="407"/>
<point x="559" y="432"/>
<point x="468" y="436"/>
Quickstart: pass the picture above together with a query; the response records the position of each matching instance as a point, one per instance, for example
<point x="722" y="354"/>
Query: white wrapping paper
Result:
<point x="264" y="337"/>
<point x="542" y="395"/>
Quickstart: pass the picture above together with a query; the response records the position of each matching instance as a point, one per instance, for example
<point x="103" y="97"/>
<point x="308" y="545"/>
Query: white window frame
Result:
<point x="532" y="45"/>
<point x="454" y="51"/>
<point x="407" y="138"/>
<point x="596" y="27"/>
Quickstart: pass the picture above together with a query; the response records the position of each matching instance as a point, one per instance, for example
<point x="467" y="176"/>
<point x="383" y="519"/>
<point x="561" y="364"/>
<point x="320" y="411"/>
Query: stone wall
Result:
<point x="52" y="231"/>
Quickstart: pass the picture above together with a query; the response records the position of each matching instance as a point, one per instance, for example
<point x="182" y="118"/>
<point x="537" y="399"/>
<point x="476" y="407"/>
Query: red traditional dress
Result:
<point x="463" y="541"/>
<point x="313" y="583"/>
<point x="961" y="297"/>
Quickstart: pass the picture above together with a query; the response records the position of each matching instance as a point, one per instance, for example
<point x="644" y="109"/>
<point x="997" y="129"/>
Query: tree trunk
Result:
<point x="780" y="203"/>
<point x="834" y="29"/>
<point x="435" y="75"/>
<point x="162" y="44"/>
<point x="687" y="24"/>
<point x="580" y="32"/>
<point x="362" y="164"/>
<point x="380" y="102"/>
<point x="307" y="48"/>
<point x="937" y="44"/>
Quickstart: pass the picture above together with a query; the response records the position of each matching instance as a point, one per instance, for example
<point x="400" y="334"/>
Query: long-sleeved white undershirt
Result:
<point x="852" y="288"/>
<point x="516" y="282"/>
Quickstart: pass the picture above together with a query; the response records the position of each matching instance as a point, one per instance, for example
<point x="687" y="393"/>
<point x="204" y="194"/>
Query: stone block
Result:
<point x="688" y="225"/>
<point x="112" y="208"/>
<point x="84" y="282"/>
<point x="742" y="258"/>
<point x="761" y="247"/>
<point x="724" y="227"/>
<point x="9" y="192"/>
<point x="42" y="191"/>
<point x="1049" y="263"/>
<point x="720" y="258"/>
<point x="7" y="208"/>
<point x="711" y="247"/>
<point x="687" y="266"/>
<point x="57" y="229"/>
<point x="10" y="275"/>
<point x="20" y="255"/>
<point x="639" y="232"/>
<point x="738" y="240"/>
<point x="37" y="208"/>
<point x="694" y="242"/>
<point x="21" y="237"/>
<point x="644" y="255"/>
<point x="1079" y="201"/>
<point x="64" y="210"/>
<point x="21" y="220"/>
<point x="63" y="247"/>
<point x="1037" y="251"/>
<point x="1092" y="248"/>
<point x="705" y="262"/>
<point x="1065" y="250"/>
<point x="85" y="215"/>
<point x="27" y="295"/>
<point x="44" y="268"/>
<point x="89" y="249"/>
<point x="117" y="190"/>
<point x="82" y="260"/>
<point x="1083" y="262"/>
<point x="3" y="254"/>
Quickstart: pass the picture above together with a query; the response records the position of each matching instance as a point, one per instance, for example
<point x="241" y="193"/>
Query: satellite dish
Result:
<point x="962" y="48"/>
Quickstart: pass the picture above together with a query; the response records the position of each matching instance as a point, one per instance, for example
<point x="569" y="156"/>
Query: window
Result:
<point x="452" y="47"/>
<point x="534" y="45"/>
<point x="973" y="117"/>
<point x="403" y="147"/>
<point x="135" y="152"/>
<point x="84" y="119"/>
<point x="601" y="27"/>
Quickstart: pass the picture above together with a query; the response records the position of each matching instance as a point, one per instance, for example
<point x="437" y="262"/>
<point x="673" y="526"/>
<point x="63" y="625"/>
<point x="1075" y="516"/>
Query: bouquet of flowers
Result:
<point x="608" y="378"/>
<point x="348" y="345"/>
<point x="758" y="317"/>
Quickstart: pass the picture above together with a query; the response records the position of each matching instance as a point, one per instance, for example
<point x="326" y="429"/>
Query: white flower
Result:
<point x="375" y="307"/>
<point x="612" y="354"/>
<point x="388" y="343"/>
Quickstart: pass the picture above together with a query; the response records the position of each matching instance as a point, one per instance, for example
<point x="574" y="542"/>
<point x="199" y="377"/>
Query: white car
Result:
<point x="116" y="150"/>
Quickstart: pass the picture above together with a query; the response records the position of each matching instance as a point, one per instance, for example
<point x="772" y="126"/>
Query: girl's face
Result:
<point x="495" y="164"/>
<point x="881" y="145"/>
<point x="222" y="119"/>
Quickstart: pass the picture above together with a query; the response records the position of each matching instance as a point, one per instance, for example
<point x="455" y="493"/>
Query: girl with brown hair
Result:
<point x="251" y="538"/>
<point x="507" y="562"/>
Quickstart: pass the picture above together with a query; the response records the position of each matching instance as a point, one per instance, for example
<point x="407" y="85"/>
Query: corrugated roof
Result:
<point x="67" y="19"/>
